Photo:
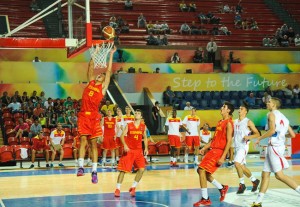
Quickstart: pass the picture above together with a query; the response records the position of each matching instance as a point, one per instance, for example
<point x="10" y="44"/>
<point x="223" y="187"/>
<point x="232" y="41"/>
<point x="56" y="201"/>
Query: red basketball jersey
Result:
<point x="220" y="138"/>
<point x="109" y="126"/>
<point x="135" y="135"/>
<point x="91" y="97"/>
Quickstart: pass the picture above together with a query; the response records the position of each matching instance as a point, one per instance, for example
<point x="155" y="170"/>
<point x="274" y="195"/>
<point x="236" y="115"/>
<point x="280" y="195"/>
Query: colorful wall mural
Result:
<point x="264" y="68"/>
<point x="131" y="83"/>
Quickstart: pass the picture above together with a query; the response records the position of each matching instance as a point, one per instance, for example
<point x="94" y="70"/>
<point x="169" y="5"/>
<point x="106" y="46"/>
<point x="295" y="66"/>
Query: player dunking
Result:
<point x="135" y="132"/>
<point x="243" y="127"/>
<point x="89" y="117"/>
<point x="216" y="156"/>
<point x="278" y="126"/>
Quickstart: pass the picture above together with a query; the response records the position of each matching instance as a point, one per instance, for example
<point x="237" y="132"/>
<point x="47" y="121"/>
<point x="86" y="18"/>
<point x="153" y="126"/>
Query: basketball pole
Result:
<point x="89" y="35"/>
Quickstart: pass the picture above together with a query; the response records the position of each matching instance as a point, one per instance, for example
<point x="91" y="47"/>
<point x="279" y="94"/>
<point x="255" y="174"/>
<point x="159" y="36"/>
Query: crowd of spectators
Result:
<point x="283" y="37"/>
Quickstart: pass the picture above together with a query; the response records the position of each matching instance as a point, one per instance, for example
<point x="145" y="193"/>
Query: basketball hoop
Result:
<point x="99" y="52"/>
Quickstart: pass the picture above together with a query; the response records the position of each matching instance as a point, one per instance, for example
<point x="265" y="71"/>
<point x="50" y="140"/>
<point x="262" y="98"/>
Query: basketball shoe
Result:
<point x="223" y="192"/>
<point x="80" y="172"/>
<point x="117" y="193"/>
<point x="255" y="185"/>
<point x="203" y="202"/>
<point x="256" y="205"/>
<point x="94" y="177"/>
<point x="132" y="191"/>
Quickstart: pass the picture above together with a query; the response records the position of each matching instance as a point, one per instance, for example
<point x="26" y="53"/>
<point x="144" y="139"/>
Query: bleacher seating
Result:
<point x="18" y="11"/>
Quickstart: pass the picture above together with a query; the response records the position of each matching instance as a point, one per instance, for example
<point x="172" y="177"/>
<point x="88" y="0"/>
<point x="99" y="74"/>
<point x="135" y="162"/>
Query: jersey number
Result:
<point x="136" y="137"/>
<point x="91" y="93"/>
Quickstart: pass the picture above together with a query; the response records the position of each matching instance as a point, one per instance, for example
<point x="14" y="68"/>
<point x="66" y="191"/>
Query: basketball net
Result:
<point x="99" y="52"/>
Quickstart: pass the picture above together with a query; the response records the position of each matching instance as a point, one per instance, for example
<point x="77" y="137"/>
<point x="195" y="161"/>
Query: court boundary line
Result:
<point x="131" y="201"/>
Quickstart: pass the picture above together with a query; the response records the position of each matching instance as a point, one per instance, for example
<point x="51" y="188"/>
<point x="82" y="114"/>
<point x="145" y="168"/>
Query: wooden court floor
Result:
<point x="161" y="185"/>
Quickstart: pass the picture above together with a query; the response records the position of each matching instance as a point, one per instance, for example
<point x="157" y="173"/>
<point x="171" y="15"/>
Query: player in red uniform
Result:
<point x="135" y="132"/>
<point x="89" y="117"/>
<point x="109" y="124"/>
<point x="216" y="156"/>
<point x="39" y="145"/>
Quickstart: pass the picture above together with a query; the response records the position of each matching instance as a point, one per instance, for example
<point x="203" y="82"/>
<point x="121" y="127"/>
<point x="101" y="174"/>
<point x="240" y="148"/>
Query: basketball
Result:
<point x="108" y="32"/>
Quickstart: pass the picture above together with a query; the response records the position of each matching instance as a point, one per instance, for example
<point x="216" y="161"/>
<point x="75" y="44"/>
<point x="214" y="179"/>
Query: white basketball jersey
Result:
<point x="281" y="128"/>
<point x="241" y="130"/>
<point x="192" y="124"/>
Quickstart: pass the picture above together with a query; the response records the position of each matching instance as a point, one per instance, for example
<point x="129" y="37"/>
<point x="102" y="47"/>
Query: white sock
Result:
<point x="94" y="167"/>
<point x="117" y="158"/>
<point x="242" y="180"/>
<point x="80" y="162"/>
<point x="298" y="189"/>
<point x="171" y="159"/>
<point x="252" y="178"/>
<point x="174" y="159"/>
<point x="88" y="160"/>
<point x="32" y="163"/>
<point x="134" y="184"/>
<point x="113" y="161"/>
<point x="204" y="193"/>
<point x="76" y="160"/>
<point x="186" y="156"/>
<point x="119" y="186"/>
<point x="196" y="158"/>
<point x="217" y="184"/>
<point x="259" y="198"/>
<point x="103" y="160"/>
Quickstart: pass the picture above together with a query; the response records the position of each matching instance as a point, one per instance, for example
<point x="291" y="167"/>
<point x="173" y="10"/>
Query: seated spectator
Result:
<point x="141" y="21"/>
<point x="291" y="34"/>
<point x="17" y="97"/>
<point x="226" y="8"/>
<point x="175" y="58"/>
<point x="117" y="40"/>
<point x="121" y="70"/>
<point x="253" y="24"/>
<point x="164" y="40"/>
<point x="43" y="121"/>
<point x="250" y="99"/>
<point x="285" y="41"/>
<point x="192" y="7"/>
<point x="39" y="145"/>
<point x="185" y="29"/>
<point x="278" y="35"/>
<point x="165" y="28"/>
<point x="188" y="106"/>
<point x="266" y="41"/>
<point x="125" y="27"/>
<point x="269" y="91"/>
<point x="34" y="6"/>
<point x="24" y="98"/>
<point x="57" y="140"/>
<point x="68" y="102"/>
<point x="128" y="5"/>
<point x="157" y="70"/>
<point x="224" y="30"/>
<point x="22" y="129"/>
<point x="52" y="121"/>
<point x="69" y="110"/>
<point x="202" y="18"/>
<point x="296" y="91"/>
<point x="202" y="29"/>
<point x="73" y="120"/>
<point x="266" y="98"/>
<point x="158" y="40"/>
<point x="36" y="59"/>
<point x="169" y="96"/>
<point x="297" y="40"/>
<point x="288" y="91"/>
<point x="194" y="29"/>
<point x="239" y="7"/>
<point x="38" y="110"/>
<point x="157" y="28"/>
<point x="238" y="21"/>
<point x="273" y="41"/>
<point x="150" y="27"/>
<point x="106" y="107"/>
<point x="183" y="7"/>
<point x="212" y="18"/>
<point x="120" y="21"/>
<point x="35" y="128"/>
<point x="63" y="120"/>
<point x="113" y="24"/>
<point x="245" y="24"/>
<point x="151" y="40"/>
<point x="215" y="30"/>
<point x="198" y="57"/>
<point x="14" y="106"/>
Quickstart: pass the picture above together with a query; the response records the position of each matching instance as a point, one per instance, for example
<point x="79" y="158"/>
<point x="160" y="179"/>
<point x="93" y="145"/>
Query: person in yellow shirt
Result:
<point x="106" y="107"/>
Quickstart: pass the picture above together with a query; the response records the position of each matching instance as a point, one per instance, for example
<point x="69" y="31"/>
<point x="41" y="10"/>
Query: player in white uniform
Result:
<point x="205" y="137"/>
<point x="278" y="127"/>
<point x="244" y="130"/>
<point x="192" y="123"/>
<point x="173" y="124"/>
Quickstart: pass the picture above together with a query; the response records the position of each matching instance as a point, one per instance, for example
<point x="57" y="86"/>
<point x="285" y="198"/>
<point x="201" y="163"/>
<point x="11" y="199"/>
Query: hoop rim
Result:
<point x="99" y="42"/>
